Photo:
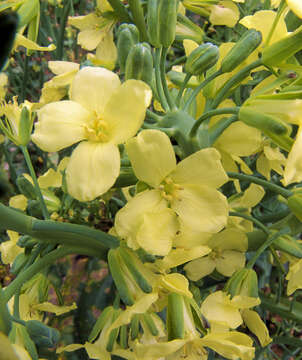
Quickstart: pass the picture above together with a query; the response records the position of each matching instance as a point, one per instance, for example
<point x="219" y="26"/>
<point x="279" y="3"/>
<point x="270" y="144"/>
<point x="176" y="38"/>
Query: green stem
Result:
<point x="32" y="270"/>
<point x="163" y="79"/>
<point x="63" y="20"/>
<point x="177" y="61"/>
<point x="34" y="178"/>
<point x="252" y="219"/>
<point x="153" y="116"/>
<point x="199" y="88"/>
<point x="120" y="10"/>
<point x="266" y="184"/>
<point x="159" y="85"/>
<point x="25" y="79"/>
<point x="281" y="8"/>
<point x="209" y="114"/>
<point x="138" y="18"/>
<point x="242" y="74"/>
<point x="182" y="88"/>
<point x="269" y="241"/>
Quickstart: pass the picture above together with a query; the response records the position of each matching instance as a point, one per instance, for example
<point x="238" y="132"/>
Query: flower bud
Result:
<point x="283" y="49"/>
<point x="161" y="21"/>
<point x="250" y="40"/>
<point x="243" y="282"/>
<point x="201" y="59"/>
<point x="175" y="317"/>
<point x="26" y="188"/>
<point x="139" y="64"/>
<point x="128" y="36"/>
<point x="186" y="29"/>
<point x="294" y="202"/>
<point x="25" y="126"/>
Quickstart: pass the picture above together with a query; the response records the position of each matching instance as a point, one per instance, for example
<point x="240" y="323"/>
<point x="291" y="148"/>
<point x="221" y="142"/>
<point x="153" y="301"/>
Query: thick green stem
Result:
<point x="120" y="10"/>
<point x="269" y="241"/>
<point x="163" y="79"/>
<point x="32" y="270"/>
<point x="159" y="85"/>
<point x="34" y="178"/>
<point x="209" y="114"/>
<point x="266" y="184"/>
<point x="199" y="88"/>
<point x="138" y="18"/>
<point x="242" y="74"/>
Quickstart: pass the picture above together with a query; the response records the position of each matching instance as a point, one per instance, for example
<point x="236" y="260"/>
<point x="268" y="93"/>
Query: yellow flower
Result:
<point x="227" y="255"/>
<point x="101" y="114"/>
<point x="293" y="165"/>
<point x="271" y="158"/>
<point x="3" y="85"/>
<point x="9" y="249"/>
<point x="224" y="13"/>
<point x="186" y="189"/>
<point x="10" y="351"/>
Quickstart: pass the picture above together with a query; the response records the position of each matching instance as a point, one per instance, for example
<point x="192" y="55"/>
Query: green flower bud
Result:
<point x="264" y="122"/>
<point x="243" y="282"/>
<point x="128" y="36"/>
<point x="8" y="26"/>
<point x="25" y="126"/>
<point x="26" y="188"/>
<point x="175" y="317"/>
<point x="289" y="245"/>
<point x="178" y="78"/>
<point x="250" y="40"/>
<point x="41" y="334"/>
<point x="161" y="21"/>
<point x="294" y="202"/>
<point x="139" y="64"/>
<point x="26" y="241"/>
<point x="201" y="59"/>
<point x="283" y="49"/>
<point x="52" y="202"/>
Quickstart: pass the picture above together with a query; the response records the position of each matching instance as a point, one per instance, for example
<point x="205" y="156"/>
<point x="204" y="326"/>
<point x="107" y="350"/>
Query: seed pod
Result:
<point x="175" y="317"/>
<point x="139" y="64"/>
<point x="161" y="21"/>
<point x="25" y="127"/>
<point x="283" y="49"/>
<point x="201" y="59"/>
<point x="128" y="36"/>
<point x="241" y="50"/>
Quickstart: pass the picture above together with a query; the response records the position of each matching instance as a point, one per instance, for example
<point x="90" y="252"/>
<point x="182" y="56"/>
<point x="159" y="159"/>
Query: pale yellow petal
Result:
<point x="6" y="349"/>
<point x="244" y="302"/>
<point x="293" y="166"/>
<point x="202" y="208"/>
<point x="176" y="283"/>
<point x="71" y="347"/>
<point x="255" y="324"/>
<point x="295" y="6"/>
<point x="225" y="13"/>
<point x="21" y="40"/>
<point x="252" y="196"/>
<point x="90" y="38"/>
<point x="89" y="21"/>
<point x="126" y="109"/>
<point x="159" y="349"/>
<point x="152" y="156"/>
<point x="203" y="167"/>
<point x="189" y="46"/>
<point x="92" y="170"/>
<point x="61" y="67"/>
<point x="106" y="53"/>
<point x="199" y="268"/>
<point x="229" y="262"/>
<point x="60" y="124"/>
<point x="230" y="238"/>
<point x="18" y="202"/>
<point x="262" y="21"/>
<point x="56" y="309"/>
<point x="129" y="219"/>
<point x="92" y="87"/>
<point x="217" y="307"/>
<point x="294" y="277"/>
<point x="50" y="178"/>
<point x="239" y="139"/>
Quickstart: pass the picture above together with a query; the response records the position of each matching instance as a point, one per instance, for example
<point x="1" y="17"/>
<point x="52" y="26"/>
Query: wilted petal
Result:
<point x="202" y="208"/>
<point x="229" y="262"/>
<point x="255" y="324"/>
<point x="60" y="125"/>
<point x="126" y="109"/>
<point x="152" y="156"/>
<point x="92" y="170"/>
<point x="92" y="87"/>
<point x="199" y="268"/>
<point x="203" y="167"/>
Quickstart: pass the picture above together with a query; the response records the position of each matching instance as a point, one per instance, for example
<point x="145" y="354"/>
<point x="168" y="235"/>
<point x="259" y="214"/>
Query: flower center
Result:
<point x="170" y="190"/>
<point x="97" y="130"/>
